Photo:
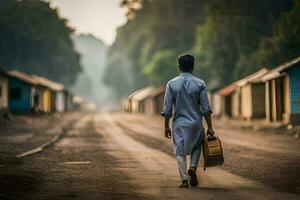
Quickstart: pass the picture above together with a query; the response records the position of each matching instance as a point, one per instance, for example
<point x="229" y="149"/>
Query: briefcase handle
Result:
<point x="211" y="137"/>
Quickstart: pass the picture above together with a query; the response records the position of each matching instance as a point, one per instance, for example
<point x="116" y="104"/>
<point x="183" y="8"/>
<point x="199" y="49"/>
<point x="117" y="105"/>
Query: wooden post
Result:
<point x="287" y="99"/>
<point x="267" y="101"/>
<point x="273" y="97"/>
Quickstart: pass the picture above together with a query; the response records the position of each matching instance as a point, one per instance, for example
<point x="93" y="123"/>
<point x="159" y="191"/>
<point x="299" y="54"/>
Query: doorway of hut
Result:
<point x="258" y="101"/>
<point x="36" y="102"/>
<point x="280" y="98"/>
<point x="277" y="99"/>
<point x="228" y="104"/>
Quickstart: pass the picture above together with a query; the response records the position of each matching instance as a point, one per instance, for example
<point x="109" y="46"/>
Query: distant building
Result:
<point x="282" y="86"/>
<point x="77" y="103"/>
<point x="215" y="101"/>
<point x="68" y="100"/>
<point x="242" y="99"/>
<point x="53" y="95"/>
<point x="125" y="105"/>
<point x="250" y="97"/>
<point x="273" y="95"/>
<point x="139" y="101"/>
<point x="131" y="106"/>
<point x="32" y="93"/>
<point x="21" y="92"/>
<point x="226" y="95"/>
<point x="157" y="99"/>
<point x="38" y="98"/>
<point x="149" y="100"/>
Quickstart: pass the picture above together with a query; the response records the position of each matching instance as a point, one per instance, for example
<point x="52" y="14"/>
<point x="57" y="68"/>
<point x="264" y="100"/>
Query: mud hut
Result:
<point x="139" y="101"/>
<point x="282" y="86"/>
<point x="53" y="96"/>
<point x="226" y="95"/>
<point x="250" y="97"/>
<point x="156" y="101"/>
<point x="22" y="89"/>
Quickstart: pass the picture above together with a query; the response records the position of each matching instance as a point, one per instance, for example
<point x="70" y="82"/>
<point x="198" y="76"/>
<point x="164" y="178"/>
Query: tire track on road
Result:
<point x="155" y="164"/>
<point x="52" y="141"/>
<point x="270" y="166"/>
<point x="240" y="160"/>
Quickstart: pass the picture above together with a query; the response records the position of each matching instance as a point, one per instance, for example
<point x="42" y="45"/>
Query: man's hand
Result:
<point x="168" y="132"/>
<point x="210" y="131"/>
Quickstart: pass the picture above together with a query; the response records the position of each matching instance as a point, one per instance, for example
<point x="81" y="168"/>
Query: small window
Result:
<point x="15" y="93"/>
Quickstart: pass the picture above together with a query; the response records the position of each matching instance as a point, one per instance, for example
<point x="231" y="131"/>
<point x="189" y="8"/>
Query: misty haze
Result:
<point x="89" y="84"/>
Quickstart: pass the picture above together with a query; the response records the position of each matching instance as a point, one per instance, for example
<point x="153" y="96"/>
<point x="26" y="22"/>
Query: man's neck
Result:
<point x="190" y="72"/>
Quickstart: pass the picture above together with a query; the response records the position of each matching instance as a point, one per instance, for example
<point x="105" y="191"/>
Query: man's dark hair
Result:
<point x="186" y="62"/>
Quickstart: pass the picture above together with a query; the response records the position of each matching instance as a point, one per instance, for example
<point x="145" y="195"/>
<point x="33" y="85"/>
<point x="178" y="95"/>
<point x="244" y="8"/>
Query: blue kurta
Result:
<point x="188" y="95"/>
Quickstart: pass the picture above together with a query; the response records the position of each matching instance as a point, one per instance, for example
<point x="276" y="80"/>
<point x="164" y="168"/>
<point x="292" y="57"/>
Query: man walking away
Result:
<point x="188" y="95"/>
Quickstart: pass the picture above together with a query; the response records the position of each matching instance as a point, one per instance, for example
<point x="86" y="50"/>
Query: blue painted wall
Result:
<point x="294" y="77"/>
<point x="21" y="105"/>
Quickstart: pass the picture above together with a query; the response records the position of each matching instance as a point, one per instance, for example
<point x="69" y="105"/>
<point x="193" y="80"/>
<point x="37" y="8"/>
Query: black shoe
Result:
<point x="193" y="179"/>
<point x="184" y="184"/>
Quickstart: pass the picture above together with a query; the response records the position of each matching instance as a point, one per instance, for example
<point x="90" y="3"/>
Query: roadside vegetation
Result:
<point x="34" y="39"/>
<point x="230" y="38"/>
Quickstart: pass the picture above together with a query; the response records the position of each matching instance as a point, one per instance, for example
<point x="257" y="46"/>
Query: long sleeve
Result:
<point x="204" y="102"/>
<point x="168" y="103"/>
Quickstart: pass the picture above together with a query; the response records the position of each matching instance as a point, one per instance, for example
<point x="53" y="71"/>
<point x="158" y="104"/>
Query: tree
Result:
<point x="285" y="42"/>
<point x="131" y="6"/>
<point x="34" y="39"/>
<point x="162" y="67"/>
<point x="216" y="51"/>
<point x="157" y="25"/>
<point x="223" y="35"/>
<point x="230" y="34"/>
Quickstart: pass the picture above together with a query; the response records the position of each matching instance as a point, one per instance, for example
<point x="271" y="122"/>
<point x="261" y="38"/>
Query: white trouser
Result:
<point x="182" y="166"/>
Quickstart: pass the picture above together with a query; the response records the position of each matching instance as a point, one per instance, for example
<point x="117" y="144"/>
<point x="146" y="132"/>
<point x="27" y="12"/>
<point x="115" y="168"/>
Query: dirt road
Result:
<point x="122" y="156"/>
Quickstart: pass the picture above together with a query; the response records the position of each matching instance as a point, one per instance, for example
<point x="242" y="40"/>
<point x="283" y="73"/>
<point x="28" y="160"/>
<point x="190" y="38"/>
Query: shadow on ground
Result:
<point x="16" y="184"/>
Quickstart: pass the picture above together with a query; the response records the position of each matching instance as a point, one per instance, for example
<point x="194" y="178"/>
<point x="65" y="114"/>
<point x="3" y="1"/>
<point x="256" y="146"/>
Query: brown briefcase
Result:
<point x="212" y="151"/>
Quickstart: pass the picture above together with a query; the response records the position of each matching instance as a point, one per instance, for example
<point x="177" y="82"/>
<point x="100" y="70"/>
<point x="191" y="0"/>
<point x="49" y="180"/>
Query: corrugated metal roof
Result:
<point x="242" y="82"/>
<point x="158" y="91"/>
<point x="22" y="76"/>
<point x="288" y="64"/>
<point x="276" y="72"/>
<point x="133" y="93"/>
<point x="228" y="89"/>
<point x="48" y="83"/>
<point x="252" y="77"/>
<point x="142" y="94"/>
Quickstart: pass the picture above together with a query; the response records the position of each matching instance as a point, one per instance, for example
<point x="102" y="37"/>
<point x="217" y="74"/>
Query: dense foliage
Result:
<point x="232" y="31"/>
<point x="158" y="25"/>
<point x="161" y="67"/>
<point x="284" y="44"/>
<point x="34" y="39"/>
<point x="230" y="38"/>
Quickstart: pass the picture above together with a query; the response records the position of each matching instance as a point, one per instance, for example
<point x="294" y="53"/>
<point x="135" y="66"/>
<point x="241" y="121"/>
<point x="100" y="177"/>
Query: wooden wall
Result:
<point x="246" y="99"/>
<point x="3" y="92"/>
<point x="47" y="100"/>
<point x="258" y="100"/>
<point x="20" y="96"/>
<point x="294" y="83"/>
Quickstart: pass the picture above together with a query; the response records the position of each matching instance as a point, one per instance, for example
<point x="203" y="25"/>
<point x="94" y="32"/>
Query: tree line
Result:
<point x="229" y="38"/>
<point x="34" y="39"/>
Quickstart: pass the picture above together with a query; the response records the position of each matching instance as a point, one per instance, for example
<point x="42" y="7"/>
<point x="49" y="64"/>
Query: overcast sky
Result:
<point x="98" y="17"/>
